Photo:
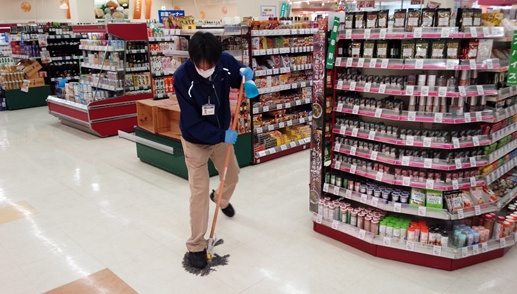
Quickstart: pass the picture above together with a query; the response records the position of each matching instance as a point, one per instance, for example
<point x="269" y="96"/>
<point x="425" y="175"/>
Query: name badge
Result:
<point x="208" y="109"/>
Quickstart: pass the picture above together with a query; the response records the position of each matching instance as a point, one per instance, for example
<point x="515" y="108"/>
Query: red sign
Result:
<point x="364" y="4"/>
<point x="417" y="2"/>
<point x="496" y="2"/>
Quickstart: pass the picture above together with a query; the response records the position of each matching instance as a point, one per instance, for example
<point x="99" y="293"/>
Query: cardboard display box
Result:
<point x="36" y="82"/>
<point x="31" y="68"/>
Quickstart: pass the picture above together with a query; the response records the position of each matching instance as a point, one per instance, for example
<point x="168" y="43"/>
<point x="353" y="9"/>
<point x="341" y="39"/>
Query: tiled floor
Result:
<point x="80" y="212"/>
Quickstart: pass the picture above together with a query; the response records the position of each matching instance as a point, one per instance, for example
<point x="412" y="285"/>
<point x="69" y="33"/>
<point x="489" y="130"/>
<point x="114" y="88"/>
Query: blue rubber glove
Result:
<point x="230" y="137"/>
<point x="247" y="73"/>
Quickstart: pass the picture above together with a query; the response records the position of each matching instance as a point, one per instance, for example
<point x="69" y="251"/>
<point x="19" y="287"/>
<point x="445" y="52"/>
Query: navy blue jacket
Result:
<point x="193" y="91"/>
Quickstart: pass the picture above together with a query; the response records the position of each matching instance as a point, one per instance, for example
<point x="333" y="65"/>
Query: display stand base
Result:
<point x="409" y="256"/>
<point x="37" y="96"/>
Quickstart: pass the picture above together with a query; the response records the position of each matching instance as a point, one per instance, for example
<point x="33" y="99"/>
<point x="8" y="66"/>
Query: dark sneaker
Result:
<point x="228" y="211"/>
<point x="197" y="259"/>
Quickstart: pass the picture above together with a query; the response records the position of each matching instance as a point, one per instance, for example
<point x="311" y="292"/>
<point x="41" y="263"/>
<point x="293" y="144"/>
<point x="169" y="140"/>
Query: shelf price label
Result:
<point x="473" y="181"/>
<point x="455" y="143"/>
<point x="464" y="252"/>
<point x="364" y="198"/>
<point x="335" y="224"/>
<point x="281" y="125"/>
<point x="362" y="234"/>
<point x="473" y="32"/>
<point x="355" y="110"/>
<point x="486" y="32"/>
<point x="442" y="91"/>
<point x="397" y="207"/>
<point x="473" y="162"/>
<point x="422" y="210"/>
<point x="475" y="140"/>
<point x="405" y="160"/>
<point x="484" y="247"/>
<point x="349" y="62"/>
<point x="385" y="63"/>
<point x="337" y="147"/>
<point x="417" y="32"/>
<point x="477" y="210"/>
<point x="410" y="245"/>
<point x="354" y="132"/>
<point x="353" y="150"/>
<point x="319" y="219"/>
<point x="410" y="90"/>
<point x="378" y="112"/>
<point x="429" y="184"/>
<point x="375" y="201"/>
<point x="373" y="62"/>
<point x="342" y="130"/>
<point x="283" y="147"/>
<point x="338" y="61"/>
<point x="367" y="33"/>
<point x="353" y="168"/>
<point x="438" y="117"/>
<point x="424" y="91"/>
<point x="360" y="62"/>
<point x="472" y="64"/>
<point x="410" y="140"/>
<point x="461" y="214"/>
<point x="450" y="64"/>
<point x="373" y="155"/>
<point x="480" y="89"/>
<point x="379" y="176"/>
<point x="457" y="163"/>
<point x="475" y="249"/>
<point x="489" y="64"/>
<point x="419" y="64"/>
<point x="348" y="34"/>
<point x="462" y="90"/>
<point x="428" y="163"/>
<point x="445" y="32"/>
<point x="336" y="190"/>
<point x="382" y="34"/>
<point x="367" y="87"/>
<point x="382" y="89"/>
<point x="340" y="107"/>
<point x="337" y="165"/>
<point x="502" y="242"/>
<point x="371" y="135"/>
<point x="326" y="187"/>
<point x="406" y="181"/>
<point x="348" y="194"/>
<point x="437" y="250"/>
<point x="292" y="144"/>
<point x="427" y="142"/>
<point x="455" y="185"/>
<point x="467" y="117"/>
<point x="386" y="241"/>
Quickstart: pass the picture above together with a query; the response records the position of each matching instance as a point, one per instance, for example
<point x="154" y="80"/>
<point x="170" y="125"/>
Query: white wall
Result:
<point x="41" y="11"/>
<point x="212" y="11"/>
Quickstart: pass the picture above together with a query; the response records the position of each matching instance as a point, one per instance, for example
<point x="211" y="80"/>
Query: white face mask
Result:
<point x="205" y="73"/>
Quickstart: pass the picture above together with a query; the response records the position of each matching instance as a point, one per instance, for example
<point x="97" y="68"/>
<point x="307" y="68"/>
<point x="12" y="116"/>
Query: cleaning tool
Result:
<point x="213" y="258"/>
<point x="249" y="87"/>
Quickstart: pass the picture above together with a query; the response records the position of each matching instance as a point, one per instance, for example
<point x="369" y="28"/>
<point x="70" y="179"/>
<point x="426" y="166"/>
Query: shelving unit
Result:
<point x="357" y="124"/>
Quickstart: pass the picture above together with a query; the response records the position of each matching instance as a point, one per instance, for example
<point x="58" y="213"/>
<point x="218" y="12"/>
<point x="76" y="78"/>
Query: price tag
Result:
<point x="479" y="116"/>
<point x="406" y="181"/>
<point x="353" y="168"/>
<point x="263" y="153"/>
<point x="382" y="34"/>
<point x="339" y="84"/>
<point x="353" y="150"/>
<point x="294" y="85"/>
<point x="473" y="162"/>
<point x="265" y="108"/>
<point x="337" y="165"/>
<point x="364" y="198"/>
<point x="362" y="234"/>
<point x="342" y="131"/>
<point x="355" y="110"/>
<point x="349" y="62"/>
<point x="373" y="62"/>
<point x="292" y="144"/>
<point x="455" y="184"/>
<point x="442" y="91"/>
<point x="417" y="32"/>
<point x="450" y="64"/>
<point x="422" y="210"/>
<point x="270" y="127"/>
<point x="337" y="147"/>
<point x="340" y="107"/>
<point x="480" y="89"/>
<point x="303" y="84"/>
<point x="319" y="219"/>
<point x="382" y="88"/>
<point x="489" y="64"/>
<point x="379" y="176"/>
<point x="462" y="90"/>
<point x="348" y="34"/>
<point x="445" y="32"/>
<point x="338" y="61"/>
<point x="378" y="112"/>
<point x="438" y="117"/>
<point x="283" y="147"/>
<point x="410" y="245"/>
<point x="373" y="156"/>
<point x="397" y="207"/>
<point x="429" y="184"/>
<point x="367" y="87"/>
<point x="410" y="90"/>
<point x="335" y="224"/>
<point x="272" y="150"/>
<point x="502" y="242"/>
<point x="360" y="63"/>
<point x="385" y="63"/>
<point x="424" y="91"/>
<point x="281" y="125"/>
<point x="461" y="214"/>
<point x="302" y="120"/>
<point x="473" y="64"/>
<point x="336" y="190"/>
<point x="354" y="132"/>
<point x="475" y="249"/>
<point x="473" y="32"/>
<point x="326" y="187"/>
<point x="486" y="31"/>
<point x="473" y="181"/>
<point x="289" y="123"/>
<point x="457" y="162"/>
<point x="375" y="201"/>
<point x="427" y="142"/>
<point x="405" y="160"/>
<point x="464" y="252"/>
<point x="467" y="117"/>
<point x="428" y="163"/>
<point x="437" y="250"/>
<point x="484" y="247"/>
<point x="386" y="241"/>
<point x="477" y="209"/>
<point x="367" y="33"/>
<point x="419" y="64"/>
<point x="348" y="194"/>
<point x="371" y="135"/>
<point x="410" y="140"/>
<point x="456" y="143"/>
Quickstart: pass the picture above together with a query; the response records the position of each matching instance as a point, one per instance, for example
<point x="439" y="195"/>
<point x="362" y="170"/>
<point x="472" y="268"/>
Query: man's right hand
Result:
<point x="230" y="137"/>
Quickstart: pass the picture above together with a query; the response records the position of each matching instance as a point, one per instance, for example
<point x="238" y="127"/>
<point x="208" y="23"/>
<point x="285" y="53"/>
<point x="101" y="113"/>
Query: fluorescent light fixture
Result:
<point x="63" y="6"/>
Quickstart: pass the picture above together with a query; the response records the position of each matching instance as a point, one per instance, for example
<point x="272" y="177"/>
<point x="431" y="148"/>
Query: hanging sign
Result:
<point x="165" y="14"/>
<point x="332" y="44"/>
<point x="512" y="70"/>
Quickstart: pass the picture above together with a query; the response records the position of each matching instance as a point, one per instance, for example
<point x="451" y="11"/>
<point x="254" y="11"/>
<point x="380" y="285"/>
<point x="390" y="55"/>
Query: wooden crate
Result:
<point x="147" y="113"/>
<point x="167" y="119"/>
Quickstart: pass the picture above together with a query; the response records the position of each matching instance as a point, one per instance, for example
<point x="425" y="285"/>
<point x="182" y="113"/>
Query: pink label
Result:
<point x="432" y="35"/>
<point x="409" y="66"/>
<point x="453" y="94"/>
<point x="395" y="36"/>
<point x="434" y="67"/>
<point x="396" y="66"/>
<point x="392" y="92"/>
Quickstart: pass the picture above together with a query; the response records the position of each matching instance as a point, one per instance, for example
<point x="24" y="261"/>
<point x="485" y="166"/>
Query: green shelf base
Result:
<point x="175" y="164"/>
<point x="37" y="96"/>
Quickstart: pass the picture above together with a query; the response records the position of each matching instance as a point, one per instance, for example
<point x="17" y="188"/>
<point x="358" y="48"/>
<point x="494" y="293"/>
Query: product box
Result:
<point x="434" y="199"/>
<point x="418" y="197"/>
<point x="37" y="82"/>
<point x="30" y="67"/>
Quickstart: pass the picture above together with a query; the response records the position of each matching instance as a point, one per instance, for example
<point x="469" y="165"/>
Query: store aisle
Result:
<point x="80" y="213"/>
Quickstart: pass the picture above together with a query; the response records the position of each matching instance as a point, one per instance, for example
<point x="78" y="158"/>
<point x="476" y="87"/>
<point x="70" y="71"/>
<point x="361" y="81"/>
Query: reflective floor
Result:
<point x="80" y="214"/>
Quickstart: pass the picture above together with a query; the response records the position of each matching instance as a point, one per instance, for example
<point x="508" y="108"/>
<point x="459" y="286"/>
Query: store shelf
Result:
<point x="283" y="125"/>
<point x="274" y="71"/>
<point x="164" y="73"/>
<point x="138" y="88"/>
<point x="21" y="56"/>
<point x="285" y="87"/>
<point x="176" y="53"/>
<point x="107" y="87"/>
<point x="416" y="116"/>
<point x="274" y="107"/>
<point x="471" y="211"/>
<point x="502" y="114"/>
<point x="435" y="32"/>
<point x="284" y="32"/>
<point x="136" y="51"/>
<point x="67" y="36"/>
<point x="67" y="78"/>
<point x="137" y="69"/>
<point x="430" y="64"/>
<point x="279" y="151"/>
<point x="428" y="163"/>
<point x="478" y="90"/>
<point x="284" y="50"/>
<point x="59" y="58"/>
<point x="496" y="136"/>
<point x="496" y="174"/>
<point x="100" y="48"/>
<point x="503" y="93"/>
<point x="464" y="143"/>
<point x="492" y="157"/>
<point x="101" y="67"/>
<point x="350" y="230"/>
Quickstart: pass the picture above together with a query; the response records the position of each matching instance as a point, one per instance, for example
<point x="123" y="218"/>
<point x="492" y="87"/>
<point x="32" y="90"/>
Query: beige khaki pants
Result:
<point x="196" y="158"/>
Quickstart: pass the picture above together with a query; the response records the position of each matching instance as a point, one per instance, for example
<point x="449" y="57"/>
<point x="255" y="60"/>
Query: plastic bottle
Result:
<point x="462" y="240"/>
<point x="424" y="236"/>
<point x="498" y="227"/>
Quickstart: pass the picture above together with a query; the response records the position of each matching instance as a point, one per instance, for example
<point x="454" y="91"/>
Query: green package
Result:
<point x="417" y="197"/>
<point x="434" y="199"/>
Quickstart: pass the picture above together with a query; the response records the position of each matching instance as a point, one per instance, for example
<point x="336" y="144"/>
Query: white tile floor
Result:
<point x="100" y="207"/>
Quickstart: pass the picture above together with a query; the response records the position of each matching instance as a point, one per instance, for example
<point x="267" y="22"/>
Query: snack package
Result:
<point x="382" y="19"/>
<point x="465" y="196"/>
<point x="408" y="49"/>
<point x="453" y="47"/>
<point x="355" y="48"/>
<point x="399" y="19"/>
<point x="454" y="200"/>
<point x="438" y="49"/>
<point x="359" y="20"/>
<point x="443" y="17"/>
<point x="422" y="47"/>
<point x="382" y="49"/>
<point x="485" y="49"/>
<point x="413" y="19"/>
<point x="434" y="199"/>
<point x="368" y="49"/>
<point x="417" y="197"/>
<point x="477" y="195"/>
<point x="371" y="19"/>
<point x="349" y="20"/>
<point x="428" y="17"/>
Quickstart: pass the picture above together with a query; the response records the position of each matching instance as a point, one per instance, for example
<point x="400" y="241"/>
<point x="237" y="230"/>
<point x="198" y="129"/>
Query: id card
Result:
<point x="208" y="109"/>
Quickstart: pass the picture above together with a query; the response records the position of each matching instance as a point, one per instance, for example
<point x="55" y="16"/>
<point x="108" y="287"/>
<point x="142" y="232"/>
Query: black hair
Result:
<point x="204" y="46"/>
